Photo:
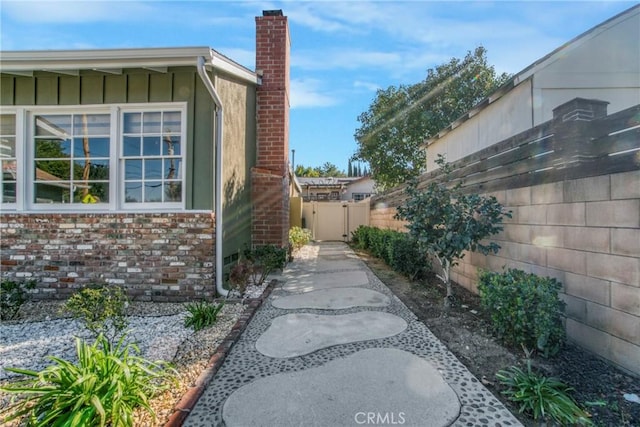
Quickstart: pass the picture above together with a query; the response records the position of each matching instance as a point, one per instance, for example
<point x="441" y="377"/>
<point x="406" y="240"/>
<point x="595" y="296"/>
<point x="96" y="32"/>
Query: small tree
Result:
<point x="446" y="222"/>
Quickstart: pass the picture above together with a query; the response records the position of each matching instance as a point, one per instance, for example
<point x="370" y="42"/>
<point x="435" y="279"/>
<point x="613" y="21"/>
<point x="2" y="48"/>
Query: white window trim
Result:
<point x="19" y="132"/>
<point x="144" y="108"/>
<point x="25" y="153"/>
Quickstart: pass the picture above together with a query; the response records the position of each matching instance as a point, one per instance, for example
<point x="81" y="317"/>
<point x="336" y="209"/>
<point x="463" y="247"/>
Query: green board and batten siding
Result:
<point x="178" y="84"/>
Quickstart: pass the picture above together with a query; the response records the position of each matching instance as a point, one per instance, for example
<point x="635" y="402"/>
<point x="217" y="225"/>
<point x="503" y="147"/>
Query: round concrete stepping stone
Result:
<point x="333" y="299"/>
<point x="314" y="282"/>
<point x="373" y="386"/>
<point x="303" y="333"/>
<point x="320" y="265"/>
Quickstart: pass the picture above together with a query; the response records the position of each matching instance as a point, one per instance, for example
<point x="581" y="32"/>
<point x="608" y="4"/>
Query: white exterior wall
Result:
<point x="603" y="64"/>
<point x="507" y="116"/>
<point x="360" y="186"/>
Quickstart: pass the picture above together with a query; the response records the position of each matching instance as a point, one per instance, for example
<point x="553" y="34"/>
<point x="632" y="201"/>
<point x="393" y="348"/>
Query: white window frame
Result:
<point x="19" y="136"/>
<point x="145" y="108"/>
<point x="25" y="152"/>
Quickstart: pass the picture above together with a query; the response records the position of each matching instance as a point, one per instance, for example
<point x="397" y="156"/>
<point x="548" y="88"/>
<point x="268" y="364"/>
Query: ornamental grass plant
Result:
<point x="103" y="388"/>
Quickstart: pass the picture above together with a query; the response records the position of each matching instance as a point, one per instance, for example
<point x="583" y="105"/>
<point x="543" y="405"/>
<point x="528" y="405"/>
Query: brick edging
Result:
<point x="184" y="407"/>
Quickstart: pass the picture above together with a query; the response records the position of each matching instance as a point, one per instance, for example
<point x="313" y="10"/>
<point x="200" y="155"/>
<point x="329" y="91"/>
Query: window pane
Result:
<point x="7" y="146"/>
<point x="51" y="125"/>
<point x="91" y="193"/>
<point x="132" y="123"/>
<point x="9" y="192"/>
<point x="52" y="148"/>
<point x="153" y="191"/>
<point x="173" y="191"/>
<point x="8" y="181"/>
<point x="151" y="146"/>
<point x="53" y="170"/>
<point x="97" y="170"/>
<point x="132" y="169"/>
<point x="133" y="192"/>
<point x="172" y="122"/>
<point x="172" y="168"/>
<point x="7" y="124"/>
<point x="91" y="124"/>
<point x="96" y="147"/>
<point x="153" y="169"/>
<point x="151" y="123"/>
<point x="171" y="146"/>
<point x="131" y="146"/>
<point x="52" y="193"/>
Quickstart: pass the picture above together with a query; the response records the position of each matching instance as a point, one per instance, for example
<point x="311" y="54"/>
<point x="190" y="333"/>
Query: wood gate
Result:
<point x="335" y="220"/>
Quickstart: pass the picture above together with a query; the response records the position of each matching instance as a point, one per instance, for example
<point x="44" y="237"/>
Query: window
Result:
<point x="360" y="196"/>
<point x="108" y="157"/>
<point x="71" y="158"/>
<point x="8" y="160"/>
<point x="152" y="157"/>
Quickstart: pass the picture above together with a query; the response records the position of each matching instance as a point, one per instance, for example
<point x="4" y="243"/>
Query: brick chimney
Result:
<point x="270" y="176"/>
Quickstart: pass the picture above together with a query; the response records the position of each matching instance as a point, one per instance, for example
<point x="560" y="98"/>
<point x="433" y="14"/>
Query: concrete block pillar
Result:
<point x="270" y="176"/>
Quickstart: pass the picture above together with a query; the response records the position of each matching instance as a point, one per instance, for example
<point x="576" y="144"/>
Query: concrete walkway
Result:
<point x="334" y="347"/>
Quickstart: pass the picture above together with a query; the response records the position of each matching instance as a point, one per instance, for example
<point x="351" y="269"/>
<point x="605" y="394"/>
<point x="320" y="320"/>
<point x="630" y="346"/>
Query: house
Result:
<point x="150" y="168"/>
<point x="336" y="189"/>
<point x="602" y="63"/>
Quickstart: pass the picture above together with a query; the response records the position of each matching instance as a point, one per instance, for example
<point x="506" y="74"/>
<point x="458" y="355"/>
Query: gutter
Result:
<point x="219" y="114"/>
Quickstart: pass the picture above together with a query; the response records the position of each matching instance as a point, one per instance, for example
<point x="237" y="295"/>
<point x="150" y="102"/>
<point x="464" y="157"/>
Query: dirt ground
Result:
<point x="466" y="331"/>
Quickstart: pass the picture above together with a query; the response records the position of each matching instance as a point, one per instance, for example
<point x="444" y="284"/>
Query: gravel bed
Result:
<point x="42" y="330"/>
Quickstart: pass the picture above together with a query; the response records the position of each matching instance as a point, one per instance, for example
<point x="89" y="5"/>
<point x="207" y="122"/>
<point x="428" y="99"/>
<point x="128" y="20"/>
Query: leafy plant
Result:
<point x="102" y="309"/>
<point x="12" y="296"/>
<point x="298" y="237"/>
<point x="102" y="389"/>
<point x="542" y="397"/>
<point x="202" y="314"/>
<point x="399" y="250"/>
<point x="264" y="260"/>
<point x="447" y="222"/>
<point x="525" y="309"/>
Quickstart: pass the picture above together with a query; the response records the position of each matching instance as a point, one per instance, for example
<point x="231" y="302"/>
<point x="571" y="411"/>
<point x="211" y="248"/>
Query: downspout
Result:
<point x="218" y="173"/>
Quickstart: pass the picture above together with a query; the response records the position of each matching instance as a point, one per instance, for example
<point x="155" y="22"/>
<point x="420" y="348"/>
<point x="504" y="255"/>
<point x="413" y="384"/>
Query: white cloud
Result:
<point x="372" y="87"/>
<point x="244" y="57"/>
<point x="307" y="93"/>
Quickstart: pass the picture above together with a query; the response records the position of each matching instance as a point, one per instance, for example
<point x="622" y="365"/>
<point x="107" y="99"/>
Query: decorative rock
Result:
<point x="333" y="299"/>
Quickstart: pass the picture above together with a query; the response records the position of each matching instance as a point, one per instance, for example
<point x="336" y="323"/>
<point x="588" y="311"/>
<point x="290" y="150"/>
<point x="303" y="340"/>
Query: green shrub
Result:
<point x="541" y="397"/>
<point x="360" y="236"/>
<point x="12" y="296"/>
<point x="101" y="308"/>
<point x="264" y="260"/>
<point x="102" y="389"/>
<point x="407" y="258"/>
<point x="298" y="237"/>
<point x="202" y="314"/>
<point x="525" y="309"/>
<point x="399" y="250"/>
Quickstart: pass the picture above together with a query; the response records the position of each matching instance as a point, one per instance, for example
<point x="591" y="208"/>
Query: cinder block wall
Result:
<point x="584" y="232"/>
<point x="154" y="256"/>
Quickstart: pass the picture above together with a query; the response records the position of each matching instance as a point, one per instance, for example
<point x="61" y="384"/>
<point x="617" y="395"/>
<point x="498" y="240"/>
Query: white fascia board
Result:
<point x="13" y="62"/>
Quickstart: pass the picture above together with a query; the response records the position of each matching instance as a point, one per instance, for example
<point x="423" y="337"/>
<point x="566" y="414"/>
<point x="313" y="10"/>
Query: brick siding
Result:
<point x="270" y="177"/>
<point x="156" y="257"/>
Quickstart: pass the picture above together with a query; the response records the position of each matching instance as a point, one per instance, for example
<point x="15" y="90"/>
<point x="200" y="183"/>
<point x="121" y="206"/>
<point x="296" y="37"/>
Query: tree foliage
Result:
<point x="401" y="118"/>
<point x="446" y="222"/>
<point x="328" y="169"/>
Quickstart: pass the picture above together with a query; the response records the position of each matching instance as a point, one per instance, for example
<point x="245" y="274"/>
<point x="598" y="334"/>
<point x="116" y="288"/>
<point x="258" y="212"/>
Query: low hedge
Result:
<point x="399" y="250"/>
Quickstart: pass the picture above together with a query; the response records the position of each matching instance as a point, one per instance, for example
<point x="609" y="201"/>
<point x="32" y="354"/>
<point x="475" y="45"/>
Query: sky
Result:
<point x="342" y="52"/>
